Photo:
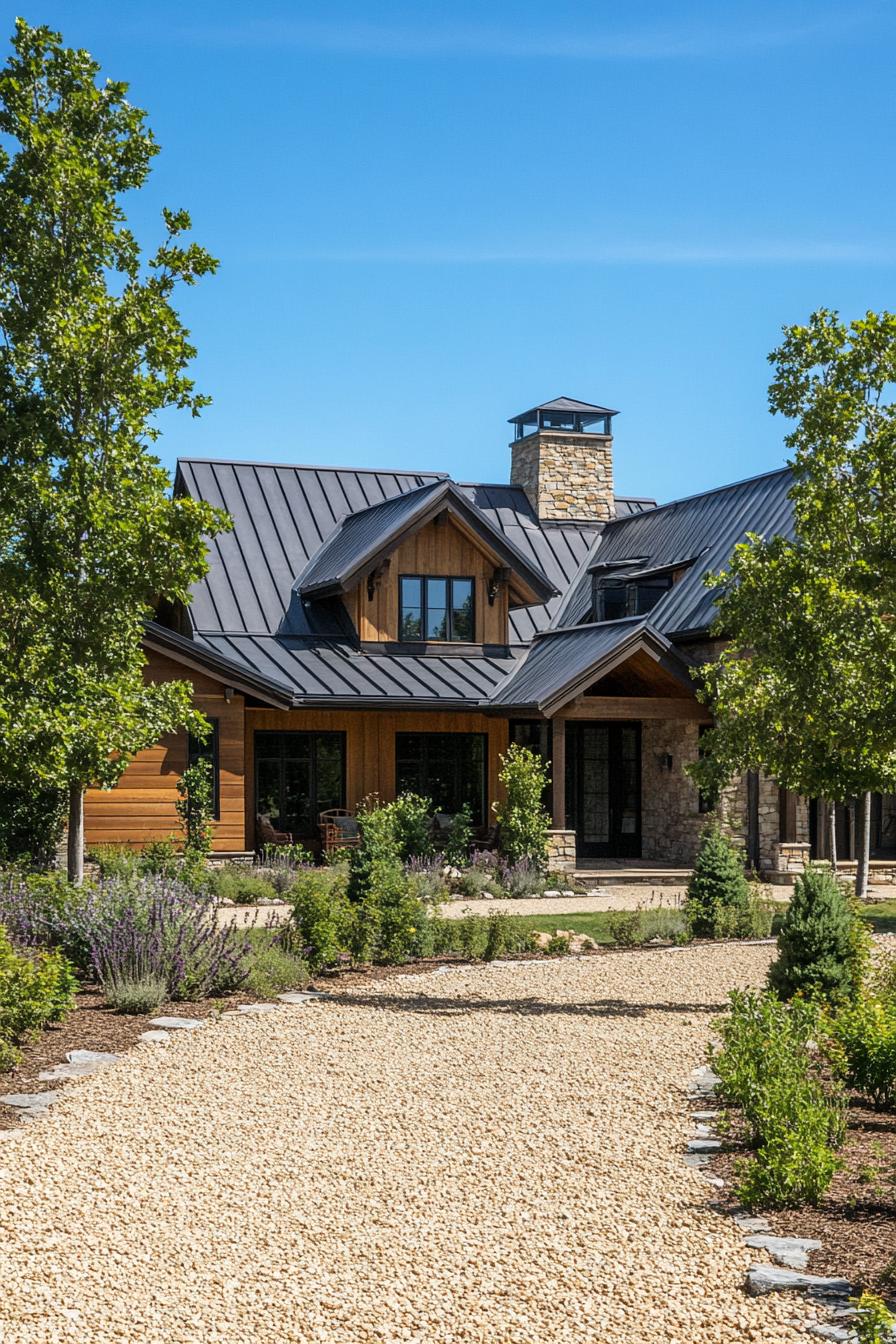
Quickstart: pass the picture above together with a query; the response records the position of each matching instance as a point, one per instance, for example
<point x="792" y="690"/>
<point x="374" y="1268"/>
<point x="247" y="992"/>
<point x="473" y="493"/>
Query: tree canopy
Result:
<point x="91" y="351"/>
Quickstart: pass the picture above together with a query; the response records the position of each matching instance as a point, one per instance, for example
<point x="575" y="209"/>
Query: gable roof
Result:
<point x="366" y="537"/>
<point x="561" y="404"/>
<point x="563" y="663"/>
<point x="699" y="531"/>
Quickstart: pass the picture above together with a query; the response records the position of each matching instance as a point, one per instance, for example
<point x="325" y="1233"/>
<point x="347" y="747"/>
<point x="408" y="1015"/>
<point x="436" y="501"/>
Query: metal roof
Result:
<point x="362" y="538"/>
<point x="561" y="404"/>
<point x="562" y="663"/>
<point x="341" y="674"/>
<point x="704" y="527"/>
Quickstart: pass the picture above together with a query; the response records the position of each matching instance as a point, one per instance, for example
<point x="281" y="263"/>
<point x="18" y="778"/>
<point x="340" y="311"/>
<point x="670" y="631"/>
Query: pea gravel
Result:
<point x="488" y="1154"/>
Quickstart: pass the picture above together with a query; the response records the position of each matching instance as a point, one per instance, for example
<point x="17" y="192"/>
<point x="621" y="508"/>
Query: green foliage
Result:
<point x="523" y="823"/>
<point x="36" y="988"/>
<point x="806" y="687"/>
<point x="460" y="837"/>
<point x="135" y="992"/>
<point x="273" y="968"/>
<point x="195" y="808"/>
<point x="160" y="858"/>
<point x="31" y="821"/>
<point x="817" y="944"/>
<point x="625" y="928"/>
<point x="767" y="1067"/>
<point x="477" y="939"/>
<point x="718" y="895"/>
<point x="322" y="915"/>
<point x="873" y="1322"/>
<point x="121" y="861"/>
<point x="234" y="882"/>
<point x="389" y="919"/>
<point x="863" y="1035"/>
<point x="558" y="945"/>
<point x="410" y="819"/>
<point x="91" y="538"/>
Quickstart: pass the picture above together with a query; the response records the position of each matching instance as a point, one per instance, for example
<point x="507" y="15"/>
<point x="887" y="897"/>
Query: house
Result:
<point x="364" y="631"/>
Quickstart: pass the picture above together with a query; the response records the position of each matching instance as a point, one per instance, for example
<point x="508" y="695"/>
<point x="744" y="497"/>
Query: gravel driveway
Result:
<point x="488" y="1155"/>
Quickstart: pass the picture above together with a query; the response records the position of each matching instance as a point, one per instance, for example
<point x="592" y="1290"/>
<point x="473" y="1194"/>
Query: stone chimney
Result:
<point x="562" y="456"/>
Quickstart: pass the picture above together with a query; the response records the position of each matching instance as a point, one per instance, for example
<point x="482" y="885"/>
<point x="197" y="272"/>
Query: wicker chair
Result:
<point x="338" y="830"/>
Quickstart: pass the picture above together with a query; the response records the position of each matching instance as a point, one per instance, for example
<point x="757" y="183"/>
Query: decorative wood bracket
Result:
<point x="375" y="578"/>
<point x="499" y="577"/>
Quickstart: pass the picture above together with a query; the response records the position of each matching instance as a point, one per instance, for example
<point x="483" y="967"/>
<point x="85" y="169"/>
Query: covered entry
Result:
<point x="603" y="788"/>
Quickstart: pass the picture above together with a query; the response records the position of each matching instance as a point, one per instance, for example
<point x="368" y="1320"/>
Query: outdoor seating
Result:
<point x="266" y="833"/>
<point x="339" y="829"/>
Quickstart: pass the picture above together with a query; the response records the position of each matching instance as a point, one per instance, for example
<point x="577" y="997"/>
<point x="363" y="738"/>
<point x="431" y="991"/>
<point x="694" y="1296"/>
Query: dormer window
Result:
<point x="616" y="598"/>
<point x="436" y="608"/>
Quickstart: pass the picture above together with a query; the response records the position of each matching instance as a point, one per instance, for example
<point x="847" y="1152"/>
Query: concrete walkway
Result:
<point x="488" y="1155"/>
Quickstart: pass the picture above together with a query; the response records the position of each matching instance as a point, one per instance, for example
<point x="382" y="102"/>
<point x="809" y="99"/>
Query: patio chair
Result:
<point x="266" y="833"/>
<point x="339" y="829"/>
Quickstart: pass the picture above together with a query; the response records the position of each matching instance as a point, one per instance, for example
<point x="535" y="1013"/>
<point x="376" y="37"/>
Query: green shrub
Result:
<point x="322" y="916"/>
<point x="558" y="945"/>
<point x="718" y="895"/>
<point x="625" y="928"/>
<point x="873" y="1322"/>
<point x="863" y="1035"/>
<point x="821" y="949"/>
<point x="36" y="988"/>
<point x="478" y="939"/>
<point x="388" y="920"/>
<point x="32" y="820"/>
<point x="273" y="969"/>
<point x="664" y="924"/>
<point x="233" y="882"/>
<point x="523" y="823"/>
<point x="160" y="858"/>
<point x="766" y="1066"/>
<point x="119" y="861"/>
<point x="460" y="837"/>
<point x="195" y="808"/>
<point x="410" y="818"/>
<point x="135" y="993"/>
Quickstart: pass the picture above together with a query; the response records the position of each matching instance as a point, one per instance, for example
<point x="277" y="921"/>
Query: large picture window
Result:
<point x="209" y="749"/>
<point x="449" y="768"/>
<point x="438" y="609"/>
<point x="298" y="776"/>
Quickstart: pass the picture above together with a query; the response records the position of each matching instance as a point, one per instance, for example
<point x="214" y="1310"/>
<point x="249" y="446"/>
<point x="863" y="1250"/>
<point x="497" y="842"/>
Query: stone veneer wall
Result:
<point x="565" y="475"/>
<point x="671" y="820"/>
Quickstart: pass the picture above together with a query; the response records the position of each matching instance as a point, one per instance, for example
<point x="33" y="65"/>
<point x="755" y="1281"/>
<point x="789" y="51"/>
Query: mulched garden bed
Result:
<point x="856" y="1219"/>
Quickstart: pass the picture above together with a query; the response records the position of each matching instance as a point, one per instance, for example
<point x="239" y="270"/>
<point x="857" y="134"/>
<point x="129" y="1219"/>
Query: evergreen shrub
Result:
<point x="821" y="945"/>
<point x="718" y="895"/>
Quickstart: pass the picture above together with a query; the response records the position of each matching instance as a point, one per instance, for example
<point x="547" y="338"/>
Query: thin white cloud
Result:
<point x="783" y="252"/>
<point x="568" y="43"/>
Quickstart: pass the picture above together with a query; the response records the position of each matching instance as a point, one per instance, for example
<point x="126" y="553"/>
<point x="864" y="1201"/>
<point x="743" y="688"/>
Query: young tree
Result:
<point x="92" y="350"/>
<point x="806" y="687"/>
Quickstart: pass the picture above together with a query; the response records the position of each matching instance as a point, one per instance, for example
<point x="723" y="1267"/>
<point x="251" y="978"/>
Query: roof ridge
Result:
<point x="312" y="466"/>
<point x="703" y="494"/>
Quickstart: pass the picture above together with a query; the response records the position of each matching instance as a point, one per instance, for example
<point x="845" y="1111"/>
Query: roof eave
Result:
<point x="162" y="640"/>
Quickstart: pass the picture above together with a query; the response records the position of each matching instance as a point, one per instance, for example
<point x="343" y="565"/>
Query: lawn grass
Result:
<point x="881" y="916"/>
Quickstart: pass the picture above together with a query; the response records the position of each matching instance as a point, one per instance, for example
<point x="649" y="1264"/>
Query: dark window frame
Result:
<point x="449" y="580"/>
<point x="480" y="814"/>
<point x="209" y="749"/>
<point x="310" y="733"/>
<point x="661" y="583"/>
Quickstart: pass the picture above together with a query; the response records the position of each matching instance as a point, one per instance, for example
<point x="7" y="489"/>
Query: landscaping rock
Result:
<point x="79" y="1064"/>
<point x="790" y="1251"/>
<point x="704" y="1115"/>
<point x="256" y="1009"/>
<point x="704" y="1145"/>
<point x="551" y="895"/>
<point x="770" y="1279"/>
<point x="696" y="1159"/>
<point x="748" y="1222"/>
<point x="177" y="1023"/>
<point x="824" y="1330"/>
<point x="155" y="1037"/>
<point x="30" y="1101"/>
<point x="307" y="995"/>
<point x="703" y="1082"/>
<point x="702" y="1132"/>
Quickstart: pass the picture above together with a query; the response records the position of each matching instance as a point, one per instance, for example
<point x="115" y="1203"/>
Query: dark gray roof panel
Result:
<point x="329" y="671"/>
<point x="706" y="526"/>
<point x="559" y="659"/>
<point x="562" y="404"/>
<point x="362" y="536"/>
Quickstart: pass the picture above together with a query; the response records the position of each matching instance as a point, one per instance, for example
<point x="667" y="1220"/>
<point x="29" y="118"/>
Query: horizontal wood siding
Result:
<point x="141" y="806"/>
<point x="370" y="745"/>
<point x="437" y="549"/>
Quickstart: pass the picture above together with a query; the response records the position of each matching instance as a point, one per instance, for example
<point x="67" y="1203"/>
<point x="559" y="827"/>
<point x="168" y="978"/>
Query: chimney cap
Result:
<point x="564" y="414"/>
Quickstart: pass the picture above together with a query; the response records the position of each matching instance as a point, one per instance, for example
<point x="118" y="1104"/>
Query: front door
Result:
<point x="604" y="788"/>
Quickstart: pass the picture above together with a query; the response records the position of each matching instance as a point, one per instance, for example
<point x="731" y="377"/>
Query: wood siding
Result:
<point x="370" y="745"/>
<point x="440" y="548"/>
<point x="141" y="806"/>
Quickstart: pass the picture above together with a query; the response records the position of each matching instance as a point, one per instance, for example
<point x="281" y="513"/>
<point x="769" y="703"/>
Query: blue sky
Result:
<point x="430" y="217"/>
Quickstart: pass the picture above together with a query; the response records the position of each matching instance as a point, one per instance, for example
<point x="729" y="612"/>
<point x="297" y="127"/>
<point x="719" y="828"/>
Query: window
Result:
<point x="614" y="599"/>
<point x="298" y="776"/>
<point x="208" y="750"/>
<point x="449" y="768"/>
<point x="436" y="609"/>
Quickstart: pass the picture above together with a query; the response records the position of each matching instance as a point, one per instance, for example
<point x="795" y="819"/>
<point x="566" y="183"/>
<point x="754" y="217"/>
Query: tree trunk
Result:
<point x="863" y="844"/>
<point x="832" y="834"/>
<point x="76" y="834"/>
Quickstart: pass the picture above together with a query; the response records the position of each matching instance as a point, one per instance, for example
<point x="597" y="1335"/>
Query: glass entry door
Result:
<point x="298" y="776"/>
<point x="603" y="788"/>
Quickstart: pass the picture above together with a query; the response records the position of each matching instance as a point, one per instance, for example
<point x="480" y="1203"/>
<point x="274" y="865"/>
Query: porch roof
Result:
<point x="561" y="664"/>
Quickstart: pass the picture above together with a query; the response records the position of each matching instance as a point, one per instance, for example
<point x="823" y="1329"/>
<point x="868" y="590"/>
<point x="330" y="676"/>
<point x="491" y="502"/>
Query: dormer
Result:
<point x="425" y="569"/>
